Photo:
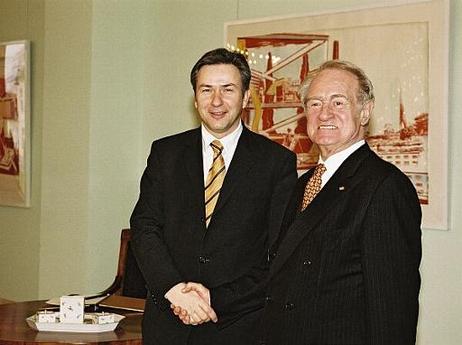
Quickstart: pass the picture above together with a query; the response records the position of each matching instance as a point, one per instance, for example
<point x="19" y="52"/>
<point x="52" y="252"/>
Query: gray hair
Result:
<point x="366" y="90"/>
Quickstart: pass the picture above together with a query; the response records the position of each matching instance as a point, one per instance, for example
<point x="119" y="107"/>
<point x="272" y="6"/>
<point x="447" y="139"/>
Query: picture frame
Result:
<point x="403" y="48"/>
<point x="15" y="123"/>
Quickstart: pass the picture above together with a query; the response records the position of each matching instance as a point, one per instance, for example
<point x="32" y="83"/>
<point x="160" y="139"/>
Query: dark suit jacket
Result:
<point x="230" y="257"/>
<point x="347" y="271"/>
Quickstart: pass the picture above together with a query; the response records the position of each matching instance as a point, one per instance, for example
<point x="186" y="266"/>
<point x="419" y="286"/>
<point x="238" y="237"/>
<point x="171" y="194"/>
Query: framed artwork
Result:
<point x="14" y="124"/>
<point x="403" y="48"/>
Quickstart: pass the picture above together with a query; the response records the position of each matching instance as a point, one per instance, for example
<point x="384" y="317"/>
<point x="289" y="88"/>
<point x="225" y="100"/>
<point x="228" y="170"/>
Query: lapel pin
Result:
<point x="341" y="188"/>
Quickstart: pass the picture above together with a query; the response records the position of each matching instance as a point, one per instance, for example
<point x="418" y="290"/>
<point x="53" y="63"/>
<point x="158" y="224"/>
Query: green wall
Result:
<point x="109" y="76"/>
<point x="65" y="146"/>
<point x="19" y="227"/>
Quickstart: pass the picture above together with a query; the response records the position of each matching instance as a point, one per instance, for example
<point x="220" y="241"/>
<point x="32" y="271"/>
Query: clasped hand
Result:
<point x="191" y="303"/>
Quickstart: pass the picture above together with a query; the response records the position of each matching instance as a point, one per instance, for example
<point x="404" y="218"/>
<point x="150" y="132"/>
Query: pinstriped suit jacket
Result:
<point x="347" y="269"/>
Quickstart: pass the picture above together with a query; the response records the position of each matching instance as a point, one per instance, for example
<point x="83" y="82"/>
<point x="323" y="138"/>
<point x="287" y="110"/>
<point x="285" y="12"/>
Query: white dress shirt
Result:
<point x="229" y="143"/>
<point x="333" y="162"/>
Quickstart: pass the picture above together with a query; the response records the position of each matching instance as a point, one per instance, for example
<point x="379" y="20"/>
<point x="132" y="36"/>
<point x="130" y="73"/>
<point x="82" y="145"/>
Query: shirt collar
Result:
<point x="333" y="162"/>
<point x="227" y="141"/>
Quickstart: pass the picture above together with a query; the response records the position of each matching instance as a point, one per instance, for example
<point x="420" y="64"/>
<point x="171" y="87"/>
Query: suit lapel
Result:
<point x="305" y="222"/>
<point x="240" y="166"/>
<point x="192" y="159"/>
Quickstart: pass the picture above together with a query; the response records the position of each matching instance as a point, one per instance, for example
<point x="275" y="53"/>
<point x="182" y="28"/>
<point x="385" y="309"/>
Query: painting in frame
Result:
<point x="403" y="47"/>
<point x="14" y="124"/>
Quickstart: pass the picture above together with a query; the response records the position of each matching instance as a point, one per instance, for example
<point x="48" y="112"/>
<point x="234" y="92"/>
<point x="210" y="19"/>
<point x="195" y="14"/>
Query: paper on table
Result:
<point x="123" y="302"/>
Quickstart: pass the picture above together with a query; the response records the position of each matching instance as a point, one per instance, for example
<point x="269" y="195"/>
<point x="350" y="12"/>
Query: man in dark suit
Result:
<point x="347" y="268"/>
<point x="206" y="253"/>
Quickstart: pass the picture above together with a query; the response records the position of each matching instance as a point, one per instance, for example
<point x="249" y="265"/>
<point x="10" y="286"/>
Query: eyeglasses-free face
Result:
<point x="336" y="119"/>
<point x="220" y="98"/>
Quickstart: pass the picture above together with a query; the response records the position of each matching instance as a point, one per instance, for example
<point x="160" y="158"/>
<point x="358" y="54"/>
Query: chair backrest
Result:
<point x="133" y="284"/>
<point x="128" y="280"/>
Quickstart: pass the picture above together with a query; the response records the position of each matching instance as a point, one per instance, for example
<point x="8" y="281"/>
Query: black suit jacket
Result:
<point x="347" y="271"/>
<point x="172" y="244"/>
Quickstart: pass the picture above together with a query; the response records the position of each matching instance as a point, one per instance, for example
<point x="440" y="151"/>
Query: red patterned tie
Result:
<point x="313" y="186"/>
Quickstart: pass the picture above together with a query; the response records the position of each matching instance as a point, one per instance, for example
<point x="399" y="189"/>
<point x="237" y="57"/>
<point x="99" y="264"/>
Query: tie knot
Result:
<point x="320" y="169"/>
<point x="217" y="146"/>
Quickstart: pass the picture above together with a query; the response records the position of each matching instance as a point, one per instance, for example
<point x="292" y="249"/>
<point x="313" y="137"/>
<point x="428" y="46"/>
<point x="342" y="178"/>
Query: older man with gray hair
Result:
<point x="346" y="267"/>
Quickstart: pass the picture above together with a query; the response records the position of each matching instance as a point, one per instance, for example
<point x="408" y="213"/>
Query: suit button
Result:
<point x="306" y="263"/>
<point x="268" y="299"/>
<point x="289" y="306"/>
<point x="271" y="256"/>
<point x="204" y="259"/>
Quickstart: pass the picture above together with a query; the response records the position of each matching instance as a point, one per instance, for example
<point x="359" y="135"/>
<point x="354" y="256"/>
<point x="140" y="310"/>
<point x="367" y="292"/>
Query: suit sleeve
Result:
<point x="147" y="223"/>
<point x="246" y="293"/>
<point x="391" y="247"/>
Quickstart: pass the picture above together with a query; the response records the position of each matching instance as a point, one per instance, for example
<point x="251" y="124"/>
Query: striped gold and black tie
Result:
<point x="215" y="178"/>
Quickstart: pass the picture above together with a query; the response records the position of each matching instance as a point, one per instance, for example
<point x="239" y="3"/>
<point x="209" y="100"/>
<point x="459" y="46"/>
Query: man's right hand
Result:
<point x="189" y="306"/>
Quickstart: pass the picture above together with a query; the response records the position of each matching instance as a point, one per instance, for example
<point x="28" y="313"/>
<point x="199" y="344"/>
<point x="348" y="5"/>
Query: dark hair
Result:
<point x="366" y="90"/>
<point x="223" y="56"/>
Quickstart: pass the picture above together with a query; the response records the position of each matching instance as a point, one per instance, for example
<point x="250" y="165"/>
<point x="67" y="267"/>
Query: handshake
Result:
<point x="191" y="303"/>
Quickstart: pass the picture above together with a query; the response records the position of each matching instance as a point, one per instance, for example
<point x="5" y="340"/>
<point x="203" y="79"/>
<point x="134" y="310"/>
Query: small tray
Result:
<point x="73" y="327"/>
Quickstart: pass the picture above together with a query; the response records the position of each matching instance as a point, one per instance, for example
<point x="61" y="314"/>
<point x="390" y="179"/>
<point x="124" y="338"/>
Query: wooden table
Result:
<point x="15" y="331"/>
